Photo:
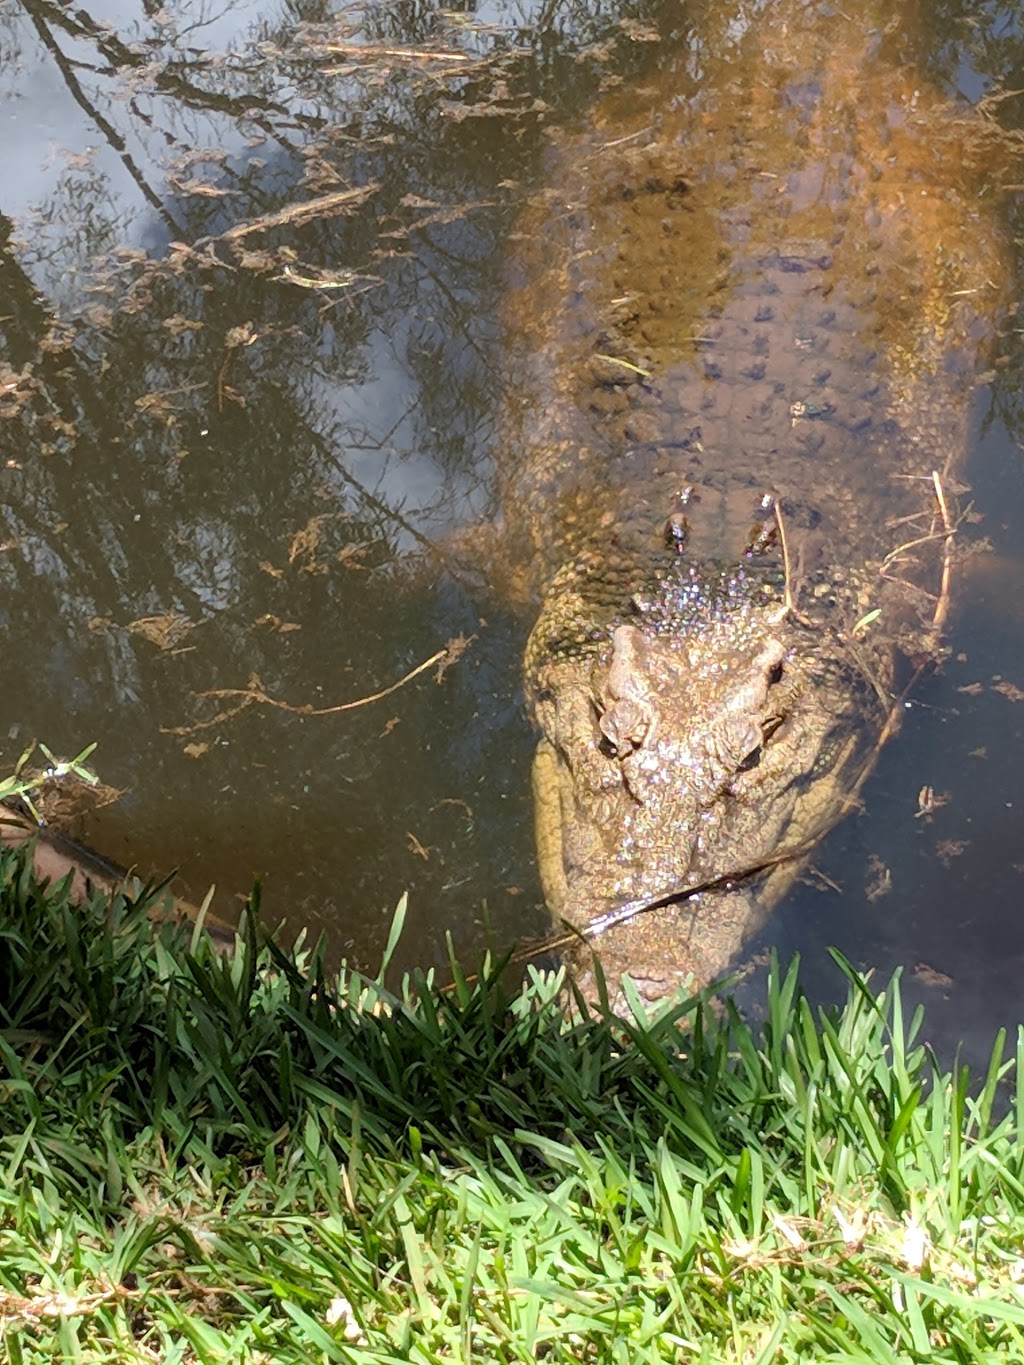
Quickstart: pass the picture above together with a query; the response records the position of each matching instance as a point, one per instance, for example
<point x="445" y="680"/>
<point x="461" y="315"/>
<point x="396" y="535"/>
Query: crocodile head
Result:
<point x="685" y="742"/>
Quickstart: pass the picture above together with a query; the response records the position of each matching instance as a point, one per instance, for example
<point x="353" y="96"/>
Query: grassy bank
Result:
<point x="243" y="1159"/>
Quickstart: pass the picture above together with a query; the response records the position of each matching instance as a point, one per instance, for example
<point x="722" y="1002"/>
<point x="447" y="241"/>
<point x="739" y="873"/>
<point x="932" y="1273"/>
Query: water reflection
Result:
<point x="242" y="437"/>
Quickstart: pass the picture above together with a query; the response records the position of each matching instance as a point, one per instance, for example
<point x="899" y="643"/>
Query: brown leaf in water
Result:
<point x="417" y="847"/>
<point x="194" y="750"/>
<point x="166" y="632"/>
<point x="454" y="650"/>
<point x="879" y="879"/>
<point x="179" y="323"/>
<point x="929" y="801"/>
<point x="201" y="190"/>
<point x="638" y="32"/>
<point x="260" y="262"/>
<point x="243" y="335"/>
<point x="1008" y="690"/>
<point x="273" y="622"/>
<point x="64" y="801"/>
<point x="304" y="544"/>
<point x="351" y="556"/>
<point x="948" y="849"/>
<point x="928" y="976"/>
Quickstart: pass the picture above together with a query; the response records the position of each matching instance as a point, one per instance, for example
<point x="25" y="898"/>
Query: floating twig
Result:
<point x="789" y="607"/>
<point x="949" y="532"/>
<point x="411" y="54"/>
<point x="321" y="207"/>
<point x="255" y="694"/>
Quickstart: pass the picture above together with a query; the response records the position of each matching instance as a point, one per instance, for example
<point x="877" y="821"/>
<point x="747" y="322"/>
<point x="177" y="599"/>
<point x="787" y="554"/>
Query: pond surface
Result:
<point x="250" y="285"/>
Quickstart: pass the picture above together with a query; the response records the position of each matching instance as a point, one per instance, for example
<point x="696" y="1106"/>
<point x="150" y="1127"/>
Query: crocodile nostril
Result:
<point x="607" y="747"/>
<point x="771" y="726"/>
<point x="677" y="530"/>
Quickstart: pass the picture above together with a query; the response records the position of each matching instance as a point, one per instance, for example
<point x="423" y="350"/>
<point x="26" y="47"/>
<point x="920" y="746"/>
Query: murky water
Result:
<point x="250" y="274"/>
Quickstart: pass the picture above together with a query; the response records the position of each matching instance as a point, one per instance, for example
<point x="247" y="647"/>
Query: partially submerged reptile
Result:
<point x="748" y="318"/>
<point x="746" y="321"/>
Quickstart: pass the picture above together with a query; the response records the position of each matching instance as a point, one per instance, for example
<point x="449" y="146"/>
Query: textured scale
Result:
<point x="774" y="289"/>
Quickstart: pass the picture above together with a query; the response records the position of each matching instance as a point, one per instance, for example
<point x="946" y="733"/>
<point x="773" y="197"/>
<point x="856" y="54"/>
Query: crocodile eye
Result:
<point x="752" y="760"/>
<point x="775" y="675"/>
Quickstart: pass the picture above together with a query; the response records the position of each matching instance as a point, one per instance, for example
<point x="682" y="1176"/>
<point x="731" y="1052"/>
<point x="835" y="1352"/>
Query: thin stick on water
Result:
<point x="789" y="607"/>
<point x="786" y="568"/>
<point x="254" y="693"/>
<point x="949" y="531"/>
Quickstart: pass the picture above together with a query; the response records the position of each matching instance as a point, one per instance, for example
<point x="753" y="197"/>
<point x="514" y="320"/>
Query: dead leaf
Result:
<point x="454" y="650"/>
<point x="304" y="544"/>
<point x="243" y="335"/>
<point x="178" y="324"/>
<point x="351" y="556"/>
<point x="928" y="976"/>
<point x="879" y="879"/>
<point x="929" y="801"/>
<point x="166" y="632"/>
<point x="417" y="847"/>
<point x="948" y="849"/>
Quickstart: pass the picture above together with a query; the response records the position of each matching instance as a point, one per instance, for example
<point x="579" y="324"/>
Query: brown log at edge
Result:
<point x="55" y="857"/>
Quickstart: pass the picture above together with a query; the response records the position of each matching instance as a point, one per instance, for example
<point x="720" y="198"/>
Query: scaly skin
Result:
<point x="782" y="283"/>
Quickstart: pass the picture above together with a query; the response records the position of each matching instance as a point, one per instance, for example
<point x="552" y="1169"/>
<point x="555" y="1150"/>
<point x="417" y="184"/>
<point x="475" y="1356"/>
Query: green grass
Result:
<point x="249" y="1159"/>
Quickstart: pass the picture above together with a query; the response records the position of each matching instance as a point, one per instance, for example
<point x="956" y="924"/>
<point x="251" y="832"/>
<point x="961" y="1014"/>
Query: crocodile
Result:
<point x="747" y="314"/>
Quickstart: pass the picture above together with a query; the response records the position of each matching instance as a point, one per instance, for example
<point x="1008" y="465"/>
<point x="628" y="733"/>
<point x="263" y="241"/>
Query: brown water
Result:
<point x="250" y="270"/>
